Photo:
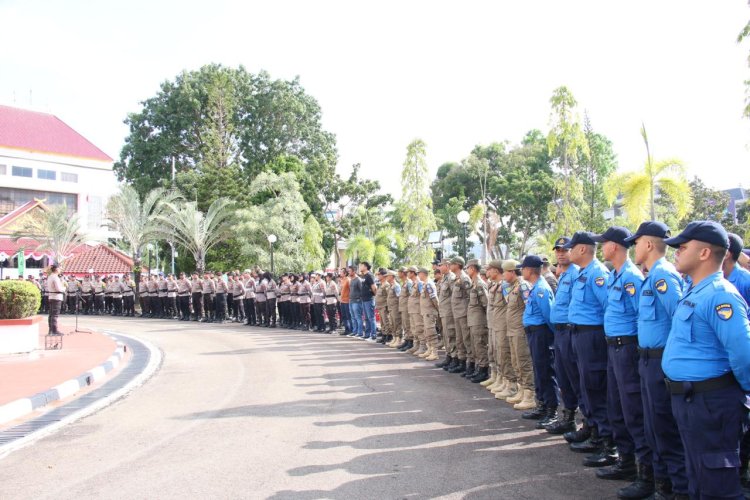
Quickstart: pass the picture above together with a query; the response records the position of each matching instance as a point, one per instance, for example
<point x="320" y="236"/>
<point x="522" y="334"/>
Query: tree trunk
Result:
<point x="137" y="276"/>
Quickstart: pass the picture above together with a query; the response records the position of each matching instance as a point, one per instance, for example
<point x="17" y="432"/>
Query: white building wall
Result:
<point x="95" y="183"/>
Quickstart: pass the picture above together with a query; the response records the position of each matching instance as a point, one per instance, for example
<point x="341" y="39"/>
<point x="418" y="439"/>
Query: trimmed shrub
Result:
<point x="18" y="299"/>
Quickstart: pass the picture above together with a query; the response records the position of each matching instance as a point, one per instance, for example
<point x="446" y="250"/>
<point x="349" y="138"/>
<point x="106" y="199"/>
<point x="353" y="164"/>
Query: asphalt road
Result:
<point x="240" y="412"/>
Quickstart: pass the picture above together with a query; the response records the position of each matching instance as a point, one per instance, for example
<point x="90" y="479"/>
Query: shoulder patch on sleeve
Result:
<point x="540" y="295"/>
<point x="725" y="311"/>
<point x="630" y="288"/>
<point x="599" y="281"/>
<point x="661" y="286"/>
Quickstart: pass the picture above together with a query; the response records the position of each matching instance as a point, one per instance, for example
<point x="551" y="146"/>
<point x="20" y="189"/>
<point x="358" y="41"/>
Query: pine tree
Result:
<point x="416" y="204"/>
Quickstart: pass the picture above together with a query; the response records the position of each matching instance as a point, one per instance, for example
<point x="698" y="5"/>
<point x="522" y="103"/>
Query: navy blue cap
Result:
<point x="706" y="231"/>
<point x="531" y="261"/>
<point x="617" y="234"/>
<point x="735" y="245"/>
<point x="651" y="228"/>
<point x="561" y="242"/>
<point x="581" y="238"/>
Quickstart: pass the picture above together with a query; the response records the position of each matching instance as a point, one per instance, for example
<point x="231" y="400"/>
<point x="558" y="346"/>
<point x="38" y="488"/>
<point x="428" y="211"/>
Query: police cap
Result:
<point x="532" y="261"/>
<point x="706" y="231"/>
<point x="651" y="228"/>
<point x="616" y="234"/>
<point x="581" y="238"/>
<point x="561" y="242"/>
<point x="735" y="245"/>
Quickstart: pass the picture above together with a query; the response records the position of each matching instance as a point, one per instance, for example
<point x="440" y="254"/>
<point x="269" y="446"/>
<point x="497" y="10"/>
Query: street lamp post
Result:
<point x="271" y="241"/>
<point x="463" y="218"/>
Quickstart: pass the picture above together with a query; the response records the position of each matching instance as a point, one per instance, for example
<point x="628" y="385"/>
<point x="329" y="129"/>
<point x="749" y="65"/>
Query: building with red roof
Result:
<point x="42" y="159"/>
<point x="101" y="260"/>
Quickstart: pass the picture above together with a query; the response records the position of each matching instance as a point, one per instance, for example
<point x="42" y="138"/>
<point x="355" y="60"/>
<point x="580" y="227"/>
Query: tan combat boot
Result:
<point x="414" y="348"/>
<point x="498" y="386"/>
<point x="422" y="349"/>
<point x="528" y="402"/>
<point x="426" y="352"/>
<point x="491" y="380"/>
<point x="510" y="390"/>
<point x="501" y="387"/>
<point x="394" y="342"/>
<point x="401" y="342"/>
<point x="433" y="356"/>
<point x="517" y="398"/>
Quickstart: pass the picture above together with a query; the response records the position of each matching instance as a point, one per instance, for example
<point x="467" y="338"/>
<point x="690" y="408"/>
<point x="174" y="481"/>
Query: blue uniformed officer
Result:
<point x="735" y="274"/>
<point x="536" y="322"/>
<point x="566" y="368"/>
<point x="586" y="317"/>
<point x="660" y="293"/>
<point x="624" y="403"/>
<point x="707" y="364"/>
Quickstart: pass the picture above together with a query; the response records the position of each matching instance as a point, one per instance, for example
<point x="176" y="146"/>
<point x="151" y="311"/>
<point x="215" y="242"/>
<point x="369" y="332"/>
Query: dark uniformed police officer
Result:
<point x="707" y="362"/>
<point x="586" y="316"/>
<point x="624" y="403"/>
<point x="660" y="293"/>
<point x="566" y="368"/>
<point x="536" y="322"/>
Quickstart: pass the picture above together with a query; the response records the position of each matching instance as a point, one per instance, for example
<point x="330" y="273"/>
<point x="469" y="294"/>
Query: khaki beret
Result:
<point x="473" y="262"/>
<point x="392" y="273"/>
<point x="402" y="269"/>
<point x="413" y="269"/>
<point x="458" y="260"/>
<point x="497" y="264"/>
<point x="510" y="265"/>
<point x="424" y="270"/>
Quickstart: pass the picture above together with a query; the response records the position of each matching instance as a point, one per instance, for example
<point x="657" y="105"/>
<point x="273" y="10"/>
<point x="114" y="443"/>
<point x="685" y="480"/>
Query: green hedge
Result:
<point x="18" y="299"/>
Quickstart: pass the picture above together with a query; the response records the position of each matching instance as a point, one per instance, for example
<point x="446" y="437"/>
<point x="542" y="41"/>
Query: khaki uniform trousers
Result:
<point x="430" y="330"/>
<point x="464" y="349"/>
<point x="521" y="360"/>
<point x="449" y="335"/>
<point x="502" y="353"/>
<point x="395" y="321"/>
<point x="479" y="347"/>
<point x="417" y="326"/>
<point x="406" y="324"/>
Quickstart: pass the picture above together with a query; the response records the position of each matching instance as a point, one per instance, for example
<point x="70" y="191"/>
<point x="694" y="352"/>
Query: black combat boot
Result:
<point x="624" y="469"/>
<point x="591" y="444"/>
<point x="454" y="364"/>
<point x="643" y="487"/>
<point x="481" y="375"/>
<point x="565" y="423"/>
<point x="577" y="436"/>
<point x="459" y="368"/>
<point x="607" y="455"/>
<point x="663" y="489"/>
<point x="446" y="362"/>
<point x="407" y="345"/>
<point x="550" y="416"/>
<point x="470" y="369"/>
<point x="535" y="414"/>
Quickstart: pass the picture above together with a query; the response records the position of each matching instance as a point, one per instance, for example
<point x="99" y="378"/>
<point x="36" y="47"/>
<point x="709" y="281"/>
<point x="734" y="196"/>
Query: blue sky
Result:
<point x="455" y="74"/>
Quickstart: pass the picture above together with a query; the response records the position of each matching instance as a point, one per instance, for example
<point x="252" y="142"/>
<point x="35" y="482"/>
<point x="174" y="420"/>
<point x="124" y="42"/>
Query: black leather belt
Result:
<point x="561" y="326"/>
<point x="712" y="384"/>
<point x="651" y="353"/>
<point x="536" y="328"/>
<point x="622" y="340"/>
<point x="586" y="328"/>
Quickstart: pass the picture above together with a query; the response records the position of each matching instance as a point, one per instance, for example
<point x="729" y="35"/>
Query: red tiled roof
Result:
<point x="9" y="248"/>
<point x="102" y="259"/>
<point x="44" y="133"/>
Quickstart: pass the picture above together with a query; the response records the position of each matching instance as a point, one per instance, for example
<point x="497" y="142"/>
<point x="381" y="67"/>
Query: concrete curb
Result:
<point x="20" y="407"/>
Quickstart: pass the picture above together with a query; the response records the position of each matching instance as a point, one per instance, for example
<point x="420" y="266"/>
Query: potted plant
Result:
<point x="19" y="321"/>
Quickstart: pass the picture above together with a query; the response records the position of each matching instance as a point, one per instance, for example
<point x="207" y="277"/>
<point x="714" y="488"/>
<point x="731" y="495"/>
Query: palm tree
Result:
<point x="135" y="219"/>
<point x="376" y="250"/>
<point x="54" y="230"/>
<point x="640" y="189"/>
<point x="195" y="231"/>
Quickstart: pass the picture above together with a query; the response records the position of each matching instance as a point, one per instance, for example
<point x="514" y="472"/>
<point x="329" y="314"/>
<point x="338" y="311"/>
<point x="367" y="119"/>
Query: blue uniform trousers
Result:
<point x="624" y="403"/>
<point x="660" y="426"/>
<point x="540" y="341"/>
<point x="590" y="349"/>
<point x="566" y="369"/>
<point x="711" y="425"/>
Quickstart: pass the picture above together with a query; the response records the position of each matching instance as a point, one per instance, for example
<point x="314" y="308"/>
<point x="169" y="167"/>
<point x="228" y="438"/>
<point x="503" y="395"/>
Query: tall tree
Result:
<point x="312" y="244"/>
<point x="134" y="219"/>
<point x="195" y="231"/>
<point x="567" y="145"/>
<point x="595" y="170"/>
<point x="53" y="229"/>
<point x="416" y="203"/>
<point x="279" y="210"/>
<point x="218" y="119"/>
<point x="640" y="190"/>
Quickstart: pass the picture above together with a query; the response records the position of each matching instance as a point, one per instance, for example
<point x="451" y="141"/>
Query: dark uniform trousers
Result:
<point x="271" y="312"/>
<point x="54" y="311"/>
<point x="129" y="304"/>
<point x="318" y="313"/>
<point x="99" y="303"/>
<point x="239" y="308"/>
<point x="231" y="311"/>
<point x="250" y="310"/>
<point x="184" y="303"/>
<point x="659" y="422"/>
<point x="221" y="306"/>
<point x="85" y="303"/>
<point x="72" y="298"/>
<point x="208" y="305"/>
<point x="711" y="425"/>
<point x="540" y="340"/>
<point x="624" y="403"/>
<point x="197" y="305"/>
<point x="566" y="368"/>
<point x="331" y="312"/>
<point x="590" y="349"/>
<point x="305" y="314"/>
<point x="260" y="311"/>
<point x="143" y="302"/>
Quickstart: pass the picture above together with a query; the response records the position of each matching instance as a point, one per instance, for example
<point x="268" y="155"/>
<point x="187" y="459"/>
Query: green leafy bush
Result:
<point x="18" y="299"/>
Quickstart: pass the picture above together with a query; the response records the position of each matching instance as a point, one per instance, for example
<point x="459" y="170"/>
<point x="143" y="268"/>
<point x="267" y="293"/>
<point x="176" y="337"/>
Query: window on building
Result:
<point x="3" y="169"/>
<point x="22" y="171"/>
<point x="11" y="198"/>
<point x="50" y="175"/>
<point x="96" y="212"/>
<point x="68" y="177"/>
